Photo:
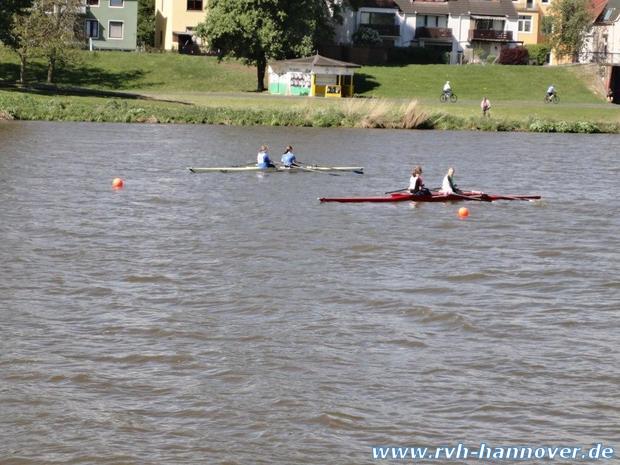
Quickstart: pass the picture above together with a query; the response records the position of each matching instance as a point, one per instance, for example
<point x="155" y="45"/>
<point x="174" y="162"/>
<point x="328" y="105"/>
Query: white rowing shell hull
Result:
<point x="304" y="168"/>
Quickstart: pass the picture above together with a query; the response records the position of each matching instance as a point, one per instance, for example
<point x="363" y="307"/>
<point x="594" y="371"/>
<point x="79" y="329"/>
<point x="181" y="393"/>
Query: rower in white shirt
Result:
<point x="448" y="186"/>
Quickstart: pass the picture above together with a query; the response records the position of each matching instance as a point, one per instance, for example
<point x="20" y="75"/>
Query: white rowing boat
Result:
<point x="280" y="169"/>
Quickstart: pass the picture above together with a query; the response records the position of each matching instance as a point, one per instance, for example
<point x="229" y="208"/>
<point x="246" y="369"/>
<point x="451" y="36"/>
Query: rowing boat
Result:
<point x="433" y="197"/>
<point x="281" y="169"/>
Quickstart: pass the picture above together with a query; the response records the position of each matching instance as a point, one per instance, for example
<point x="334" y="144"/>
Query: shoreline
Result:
<point x="79" y="105"/>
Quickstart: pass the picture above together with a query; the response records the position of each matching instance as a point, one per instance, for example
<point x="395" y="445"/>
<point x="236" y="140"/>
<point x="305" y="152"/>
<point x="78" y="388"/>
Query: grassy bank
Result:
<point x="371" y="113"/>
<point x="187" y="89"/>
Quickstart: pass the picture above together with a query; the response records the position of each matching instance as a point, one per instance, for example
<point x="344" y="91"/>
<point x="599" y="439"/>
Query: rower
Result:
<point x="262" y="159"/>
<point x="288" y="157"/>
<point x="448" y="186"/>
<point x="416" y="183"/>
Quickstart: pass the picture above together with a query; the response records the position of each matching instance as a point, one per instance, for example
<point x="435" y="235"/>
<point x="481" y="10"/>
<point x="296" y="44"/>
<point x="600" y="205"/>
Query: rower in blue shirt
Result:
<point x="262" y="159"/>
<point x="288" y="157"/>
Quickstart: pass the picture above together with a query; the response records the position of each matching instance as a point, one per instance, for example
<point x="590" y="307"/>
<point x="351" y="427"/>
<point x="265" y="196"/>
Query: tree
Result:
<point x="24" y="38"/>
<point x="366" y="36"/>
<point x="256" y="31"/>
<point x="146" y="23"/>
<point x="571" y="20"/>
<point x="47" y="29"/>
<point x="59" y="18"/>
<point x="8" y="10"/>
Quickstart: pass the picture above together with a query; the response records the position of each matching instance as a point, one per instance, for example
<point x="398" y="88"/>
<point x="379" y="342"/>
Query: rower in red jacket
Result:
<point x="416" y="183"/>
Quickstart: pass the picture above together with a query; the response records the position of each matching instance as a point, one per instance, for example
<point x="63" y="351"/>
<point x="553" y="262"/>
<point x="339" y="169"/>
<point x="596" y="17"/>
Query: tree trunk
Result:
<point x="261" y="66"/>
<point x="51" y="69"/>
<point x="22" y="69"/>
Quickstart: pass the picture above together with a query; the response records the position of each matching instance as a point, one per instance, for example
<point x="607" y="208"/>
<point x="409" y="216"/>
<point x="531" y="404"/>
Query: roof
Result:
<point x="598" y="6"/>
<point x="609" y="13"/>
<point x="379" y="4"/>
<point x="317" y="60"/>
<point x="503" y="8"/>
<point x="500" y="8"/>
<point x="423" y="8"/>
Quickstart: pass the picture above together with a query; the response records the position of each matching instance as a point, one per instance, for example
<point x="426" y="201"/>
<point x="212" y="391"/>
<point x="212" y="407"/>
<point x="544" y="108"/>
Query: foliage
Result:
<point x="480" y="53"/>
<point x="47" y="29"/>
<point x="8" y="10"/>
<point x="24" y="38"/>
<point x="417" y="55"/>
<point x="256" y="32"/>
<point x="546" y="25"/>
<point x="538" y="53"/>
<point x="146" y="23"/>
<point x="491" y="59"/>
<point x="58" y="28"/>
<point x="571" y="21"/>
<point x="513" y="56"/>
<point x="366" y="36"/>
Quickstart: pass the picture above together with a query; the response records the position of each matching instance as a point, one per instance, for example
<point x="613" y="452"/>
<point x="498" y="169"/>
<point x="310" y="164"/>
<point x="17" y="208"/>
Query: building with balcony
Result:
<point x="454" y="26"/>
<point x="380" y="15"/>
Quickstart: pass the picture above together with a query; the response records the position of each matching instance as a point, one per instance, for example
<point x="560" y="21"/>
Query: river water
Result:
<point x="233" y="319"/>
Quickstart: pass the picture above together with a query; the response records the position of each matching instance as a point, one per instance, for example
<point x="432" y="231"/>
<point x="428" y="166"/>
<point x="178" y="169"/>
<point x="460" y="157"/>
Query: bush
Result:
<point x="538" y="53"/>
<point x="366" y="36"/>
<point x="418" y="56"/>
<point x="513" y="56"/>
<point x="491" y="59"/>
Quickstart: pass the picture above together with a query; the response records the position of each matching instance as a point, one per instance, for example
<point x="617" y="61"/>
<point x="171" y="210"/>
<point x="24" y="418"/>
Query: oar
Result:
<point x="476" y="197"/>
<point x="308" y="166"/>
<point x="304" y="168"/>
<point x="516" y="197"/>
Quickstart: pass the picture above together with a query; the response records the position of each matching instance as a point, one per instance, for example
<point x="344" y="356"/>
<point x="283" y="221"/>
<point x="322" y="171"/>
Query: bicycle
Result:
<point x="448" y="96"/>
<point x="553" y="98"/>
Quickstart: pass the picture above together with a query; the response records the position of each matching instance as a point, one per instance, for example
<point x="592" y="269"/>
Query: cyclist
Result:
<point x="550" y="91"/>
<point x="447" y="89"/>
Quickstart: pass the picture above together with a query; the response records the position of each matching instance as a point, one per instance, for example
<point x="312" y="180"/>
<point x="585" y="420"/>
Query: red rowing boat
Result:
<point x="433" y="197"/>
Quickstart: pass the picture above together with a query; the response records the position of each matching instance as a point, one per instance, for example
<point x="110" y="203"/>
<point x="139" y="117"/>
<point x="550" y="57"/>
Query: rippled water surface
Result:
<point x="232" y="319"/>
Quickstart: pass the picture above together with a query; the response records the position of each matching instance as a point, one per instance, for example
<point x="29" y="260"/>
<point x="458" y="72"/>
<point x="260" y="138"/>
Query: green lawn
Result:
<point x="516" y="92"/>
<point x="472" y="82"/>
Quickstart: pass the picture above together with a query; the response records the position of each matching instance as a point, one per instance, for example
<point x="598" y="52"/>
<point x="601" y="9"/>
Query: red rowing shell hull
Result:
<point x="434" y="197"/>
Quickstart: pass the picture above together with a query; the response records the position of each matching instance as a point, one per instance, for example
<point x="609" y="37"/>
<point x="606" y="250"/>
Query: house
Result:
<point x="380" y="15"/>
<point x="175" y="21"/>
<point x="603" y="44"/>
<point x="111" y="24"/>
<point x="531" y="14"/>
<point x="455" y="26"/>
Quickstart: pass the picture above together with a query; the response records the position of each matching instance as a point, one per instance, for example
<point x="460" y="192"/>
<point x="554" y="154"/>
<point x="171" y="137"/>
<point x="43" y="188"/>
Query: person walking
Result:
<point x="485" y="105"/>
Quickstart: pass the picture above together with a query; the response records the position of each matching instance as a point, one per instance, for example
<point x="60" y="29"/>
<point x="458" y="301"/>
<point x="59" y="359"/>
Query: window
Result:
<point x="115" y="30"/>
<point x="525" y="23"/>
<point x="92" y="2"/>
<point x="92" y="28"/>
<point x="545" y="2"/>
<point x="379" y="19"/>
<point x="194" y="5"/>
<point x="117" y="3"/>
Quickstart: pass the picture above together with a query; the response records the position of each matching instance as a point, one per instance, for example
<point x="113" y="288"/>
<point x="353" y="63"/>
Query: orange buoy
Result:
<point x="117" y="183"/>
<point x="463" y="212"/>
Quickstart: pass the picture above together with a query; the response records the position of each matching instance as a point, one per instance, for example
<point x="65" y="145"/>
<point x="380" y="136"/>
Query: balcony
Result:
<point x="389" y="30"/>
<point x="490" y="35"/>
<point x="433" y="33"/>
